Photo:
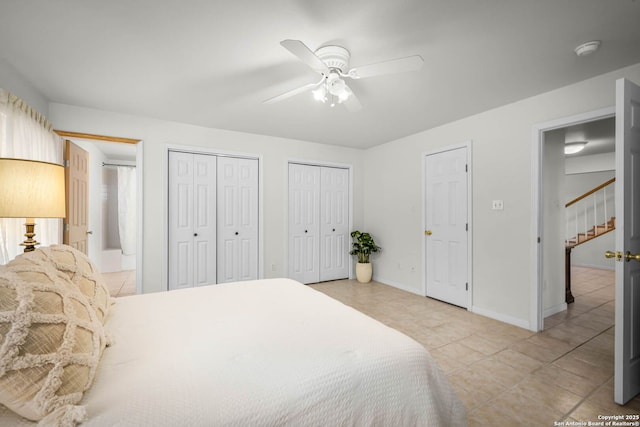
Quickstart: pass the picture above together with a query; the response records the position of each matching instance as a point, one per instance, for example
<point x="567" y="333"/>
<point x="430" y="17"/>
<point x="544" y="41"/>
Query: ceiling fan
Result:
<point x="332" y="63"/>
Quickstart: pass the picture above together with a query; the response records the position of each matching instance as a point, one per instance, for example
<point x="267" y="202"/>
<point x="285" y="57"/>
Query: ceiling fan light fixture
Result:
<point x="320" y="94"/>
<point x="344" y="95"/>
<point x="574" y="147"/>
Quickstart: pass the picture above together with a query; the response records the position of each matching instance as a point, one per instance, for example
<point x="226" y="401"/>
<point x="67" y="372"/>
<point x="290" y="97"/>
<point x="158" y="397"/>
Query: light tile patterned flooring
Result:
<point x="506" y="375"/>
<point x="121" y="283"/>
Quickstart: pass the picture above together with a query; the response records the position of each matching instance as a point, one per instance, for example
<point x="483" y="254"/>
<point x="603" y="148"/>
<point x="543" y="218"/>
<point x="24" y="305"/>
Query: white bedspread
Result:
<point x="261" y="353"/>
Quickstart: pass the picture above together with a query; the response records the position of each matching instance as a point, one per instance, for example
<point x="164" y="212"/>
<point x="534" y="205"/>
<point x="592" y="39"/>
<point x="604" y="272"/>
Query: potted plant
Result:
<point x="363" y="246"/>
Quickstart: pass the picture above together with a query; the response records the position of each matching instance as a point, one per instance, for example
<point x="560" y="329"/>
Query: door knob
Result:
<point x="89" y="232"/>
<point x="428" y="232"/>
<point x="629" y="256"/>
<point x="237" y="233"/>
<point x="611" y="254"/>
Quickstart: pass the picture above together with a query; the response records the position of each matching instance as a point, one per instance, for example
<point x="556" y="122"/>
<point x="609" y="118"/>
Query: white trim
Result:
<point x="289" y="161"/>
<point x="469" y="150"/>
<point x="393" y="283"/>
<point x="521" y="323"/>
<point x="536" y="318"/>
<point x="211" y="151"/>
<point x="553" y="310"/>
<point x="139" y="214"/>
<point x="220" y="153"/>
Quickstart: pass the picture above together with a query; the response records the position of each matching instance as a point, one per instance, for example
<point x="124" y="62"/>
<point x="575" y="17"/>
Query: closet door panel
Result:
<point x="180" y="220"/>
<point x="204" y="235"/>
<point x="248" y="218"/>
<point x="304" y="205"/>
<point x="334" y="223"/>
<point x="237" y="219"/>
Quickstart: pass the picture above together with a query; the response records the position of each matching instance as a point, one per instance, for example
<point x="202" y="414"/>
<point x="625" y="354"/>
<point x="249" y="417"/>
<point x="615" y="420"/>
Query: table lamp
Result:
<point x="31" y="189"/>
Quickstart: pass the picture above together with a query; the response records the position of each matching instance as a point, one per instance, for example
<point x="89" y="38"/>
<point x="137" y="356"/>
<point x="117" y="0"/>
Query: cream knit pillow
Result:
<point x="80" y="270"/>
<point x="50" y="343"/>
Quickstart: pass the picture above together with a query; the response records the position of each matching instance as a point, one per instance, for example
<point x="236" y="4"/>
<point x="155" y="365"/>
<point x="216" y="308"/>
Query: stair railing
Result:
<point x="586" y="213"/>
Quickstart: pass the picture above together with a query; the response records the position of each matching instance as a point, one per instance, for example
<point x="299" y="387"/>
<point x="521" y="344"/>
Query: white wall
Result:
<point x="158" y="134"/>
<point x="593" y="163"/>
<point x="502" y="169"/>
<point x="12" y="80"/>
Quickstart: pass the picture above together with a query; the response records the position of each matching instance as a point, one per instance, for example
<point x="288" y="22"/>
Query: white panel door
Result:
<point x="627" y="235"/>
<point x="446" y="226"/>
<point x="237" y="219"/>
<point x="204" y="221"/>
<point x="192" y="218"/>
<point x="304" y="224"/>
<point x="334" y="223"/>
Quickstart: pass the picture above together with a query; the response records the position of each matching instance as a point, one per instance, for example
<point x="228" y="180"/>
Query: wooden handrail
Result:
<point x="64" y="133"/>
<point x="590" y="192"/>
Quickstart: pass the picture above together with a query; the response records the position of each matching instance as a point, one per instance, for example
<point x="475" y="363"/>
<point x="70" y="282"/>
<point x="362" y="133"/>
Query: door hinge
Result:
<point x="66" y="163"/>
<point x="466" y="286"/>
<point x="538" y="240"/>
<point x="466" y="227"/>
<point x="466" y="168"/>
<point x="66" y="227"/>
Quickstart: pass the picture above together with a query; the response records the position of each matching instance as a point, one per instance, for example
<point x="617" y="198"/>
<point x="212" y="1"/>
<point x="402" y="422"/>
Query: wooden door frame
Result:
<point x="536" y="316"/>
<point x="139" y="190"/>
<point x="468" y="145"/>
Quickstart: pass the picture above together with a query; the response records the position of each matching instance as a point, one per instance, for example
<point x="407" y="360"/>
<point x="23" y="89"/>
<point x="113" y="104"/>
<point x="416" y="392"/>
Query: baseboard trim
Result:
<point x="553" y="310"/>
<point x="501" y="317"/>
<point x="600" y="267"/>
<point x="398" y="285"/>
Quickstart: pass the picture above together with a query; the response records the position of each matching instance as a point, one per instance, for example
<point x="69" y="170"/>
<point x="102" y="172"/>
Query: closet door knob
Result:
<point x="236" y="233"/>
<point x="305" y="231"/>
<point x="195" y="234"/>
<point x="334" y="229"/>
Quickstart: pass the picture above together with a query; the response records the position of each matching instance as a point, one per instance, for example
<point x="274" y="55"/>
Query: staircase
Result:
<point x="592" y="233"/>
<point x="588" y="217"/>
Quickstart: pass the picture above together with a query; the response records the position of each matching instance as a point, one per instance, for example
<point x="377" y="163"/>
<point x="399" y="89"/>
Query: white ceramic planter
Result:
<point x="364" y="272"/>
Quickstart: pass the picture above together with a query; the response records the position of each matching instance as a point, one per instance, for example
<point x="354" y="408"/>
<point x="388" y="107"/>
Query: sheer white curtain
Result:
<point x="26" y="134"/>
<point x="127" y="209"/>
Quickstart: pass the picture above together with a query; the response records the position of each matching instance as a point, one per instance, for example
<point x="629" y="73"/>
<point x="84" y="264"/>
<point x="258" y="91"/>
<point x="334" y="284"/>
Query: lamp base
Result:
<point x="29" y="244"/>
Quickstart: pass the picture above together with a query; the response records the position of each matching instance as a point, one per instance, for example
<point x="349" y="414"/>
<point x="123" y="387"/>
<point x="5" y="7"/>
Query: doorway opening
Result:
<point x="558" y="179"/>
<point x="114" y="208"/>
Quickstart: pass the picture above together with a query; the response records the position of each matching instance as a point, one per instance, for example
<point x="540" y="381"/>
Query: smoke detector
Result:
<point x="587" y="48"/>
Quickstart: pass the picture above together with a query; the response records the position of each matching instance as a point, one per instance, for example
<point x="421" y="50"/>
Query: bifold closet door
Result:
<point x="334" y="223"/>
<point x="318" y="223"/>
<point x="237" y="219"/>
<point x="192" y="220"/>
<point x="304" y="223"/>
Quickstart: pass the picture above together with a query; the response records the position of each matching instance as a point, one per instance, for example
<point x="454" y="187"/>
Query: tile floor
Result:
<point x="506" y="375"/>
<point x="121" y="283"/>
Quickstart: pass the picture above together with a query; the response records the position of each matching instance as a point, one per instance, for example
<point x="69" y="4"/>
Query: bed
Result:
<point x="259" y="353"/>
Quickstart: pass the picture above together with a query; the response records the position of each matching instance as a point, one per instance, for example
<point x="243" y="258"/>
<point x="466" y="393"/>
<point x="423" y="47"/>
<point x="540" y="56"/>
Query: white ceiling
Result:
<point x="212" y="63"/>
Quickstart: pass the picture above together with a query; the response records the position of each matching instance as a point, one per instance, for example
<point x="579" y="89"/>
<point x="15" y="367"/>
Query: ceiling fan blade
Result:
<point x="410" y="63"/>
<point x="306" y="55"/>
<point x="292" y="92"/>
<point x="352" y="104"/>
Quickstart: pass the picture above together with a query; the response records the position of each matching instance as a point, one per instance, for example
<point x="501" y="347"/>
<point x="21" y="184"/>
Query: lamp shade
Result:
<point x="31" y="189"/>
